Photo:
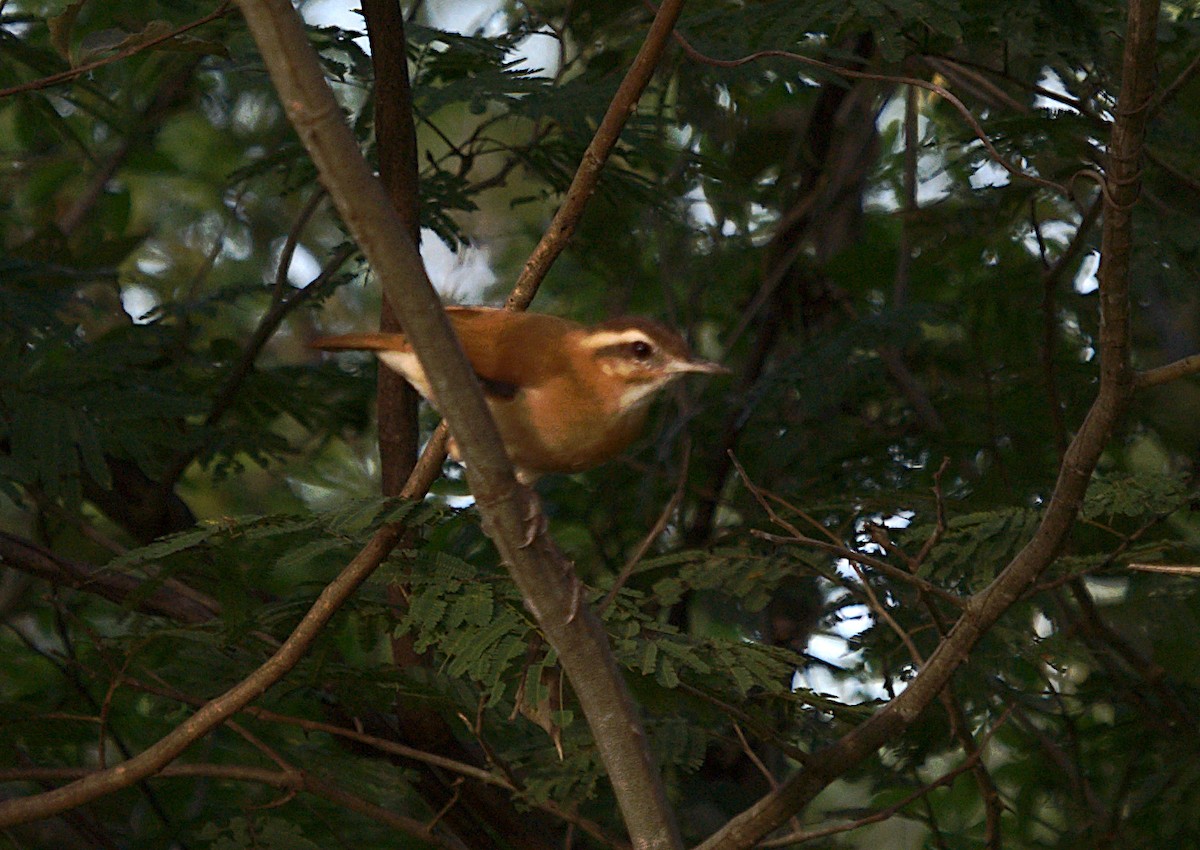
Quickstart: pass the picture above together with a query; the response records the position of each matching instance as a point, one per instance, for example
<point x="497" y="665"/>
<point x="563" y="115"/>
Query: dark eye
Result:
<point x="641" y="350"/>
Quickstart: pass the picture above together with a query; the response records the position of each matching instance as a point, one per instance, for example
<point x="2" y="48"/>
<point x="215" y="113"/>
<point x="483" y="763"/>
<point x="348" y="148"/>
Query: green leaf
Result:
<point x="1134" y="494"/>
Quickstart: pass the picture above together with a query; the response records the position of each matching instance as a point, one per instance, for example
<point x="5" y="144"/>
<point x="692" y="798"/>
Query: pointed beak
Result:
<point x="707" y="367"/>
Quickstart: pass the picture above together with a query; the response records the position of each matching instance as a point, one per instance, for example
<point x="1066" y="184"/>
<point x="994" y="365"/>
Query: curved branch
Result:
<point x="153" y="759"/>
<point x="985" y="608"/>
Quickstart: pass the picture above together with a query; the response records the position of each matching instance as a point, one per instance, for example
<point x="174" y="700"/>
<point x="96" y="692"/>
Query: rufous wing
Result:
<point x="507" y="350"/>
<point x="511" y="350"/>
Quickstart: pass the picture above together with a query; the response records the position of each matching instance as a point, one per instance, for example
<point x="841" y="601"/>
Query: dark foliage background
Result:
<point x="913" y="332"/>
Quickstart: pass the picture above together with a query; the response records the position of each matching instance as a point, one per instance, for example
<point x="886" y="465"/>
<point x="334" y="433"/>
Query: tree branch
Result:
<point x="546" y="579"/>
<point x="588" y="174"/>
<point x="396" y="147"/>
<point x="87" y="68"/>
<point x="153" y="759"/>
<point x="1189" y="365"/>
<point x="971" y="762"/>
<point x="281" y="305"/>
<point x="1079" y="462"/>
<point x="289" y="780"/>
<point x="173" y="599"/>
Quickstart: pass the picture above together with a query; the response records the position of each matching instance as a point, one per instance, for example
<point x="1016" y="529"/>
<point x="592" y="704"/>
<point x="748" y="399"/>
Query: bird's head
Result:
<point x="639" y="356"/>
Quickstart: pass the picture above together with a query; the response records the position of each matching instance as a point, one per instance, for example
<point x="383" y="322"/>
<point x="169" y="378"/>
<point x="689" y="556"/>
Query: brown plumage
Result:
<point x="565" y="397"/>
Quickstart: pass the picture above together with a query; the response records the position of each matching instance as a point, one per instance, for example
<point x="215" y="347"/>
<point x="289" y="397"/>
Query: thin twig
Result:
<point x="157" y="756"/>
<point x="87" y="68"/>
<point x="1172" y="88"/>
<point x="555" y="239"/>
<point x="882" y="612"/>
<point x="852" y="555"/>
<point x="288" y="251"/>
<point x="891" y="811"/>
<point x="1168" y="569"/>
<point x="848" y="73"/>
<point x="383" y="745"/>
<point x="272" y="319"/>
<point x="656" y="530"/>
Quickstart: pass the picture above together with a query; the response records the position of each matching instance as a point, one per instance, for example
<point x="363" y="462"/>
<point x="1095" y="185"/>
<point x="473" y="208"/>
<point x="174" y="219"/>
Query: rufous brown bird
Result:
<point x="565" y="397"/>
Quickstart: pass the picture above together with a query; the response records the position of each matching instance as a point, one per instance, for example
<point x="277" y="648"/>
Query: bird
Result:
<point x="565" y="397"/>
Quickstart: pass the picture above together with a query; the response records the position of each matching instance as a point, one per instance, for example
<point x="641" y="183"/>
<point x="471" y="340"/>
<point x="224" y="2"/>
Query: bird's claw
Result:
<point x="536" y="523"/>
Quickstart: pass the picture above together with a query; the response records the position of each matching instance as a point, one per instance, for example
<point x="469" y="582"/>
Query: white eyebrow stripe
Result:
<point x="603" y="339"/>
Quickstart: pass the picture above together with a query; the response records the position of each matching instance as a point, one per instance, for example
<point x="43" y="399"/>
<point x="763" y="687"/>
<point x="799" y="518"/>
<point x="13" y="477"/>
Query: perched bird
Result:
<point x="565" y="397"/>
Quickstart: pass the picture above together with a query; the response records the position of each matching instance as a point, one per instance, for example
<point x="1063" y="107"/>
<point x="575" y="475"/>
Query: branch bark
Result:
<point x="396" y="146"/>
<point x="1079" y="462"/>
<point x="546" y="579"/>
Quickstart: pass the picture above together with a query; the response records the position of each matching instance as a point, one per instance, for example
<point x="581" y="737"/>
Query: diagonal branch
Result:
<point x="282" y="304"/>
<point x="1079" y="462"/>
<point x="545" y="578"/>
<point x="1189" y="365"/>
<point x="172" y="599"/>
<point x="81" y="70"/>
<point x="588" y="174"/>
<point x="154" y="758"/>
<point x="288" y="780"/>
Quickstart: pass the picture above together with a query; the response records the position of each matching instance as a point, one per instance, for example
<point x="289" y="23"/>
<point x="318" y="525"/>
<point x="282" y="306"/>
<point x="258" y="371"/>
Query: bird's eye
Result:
<point x="641" y="350"/>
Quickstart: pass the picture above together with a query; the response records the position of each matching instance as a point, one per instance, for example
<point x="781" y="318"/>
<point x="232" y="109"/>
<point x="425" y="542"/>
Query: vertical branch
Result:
<point x="396" y="146"/>
<point x="396" y="405"/>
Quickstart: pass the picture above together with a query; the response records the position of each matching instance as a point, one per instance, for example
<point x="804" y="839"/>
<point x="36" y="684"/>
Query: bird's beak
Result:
<point x="706" y="367"/>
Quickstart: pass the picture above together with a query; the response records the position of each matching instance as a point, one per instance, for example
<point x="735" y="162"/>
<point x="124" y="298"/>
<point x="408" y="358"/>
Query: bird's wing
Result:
<point x="507" y="350"/>
<point x="510" y="351"/>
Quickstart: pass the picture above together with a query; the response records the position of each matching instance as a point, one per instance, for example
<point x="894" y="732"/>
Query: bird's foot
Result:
<point x="536" y="523"/>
